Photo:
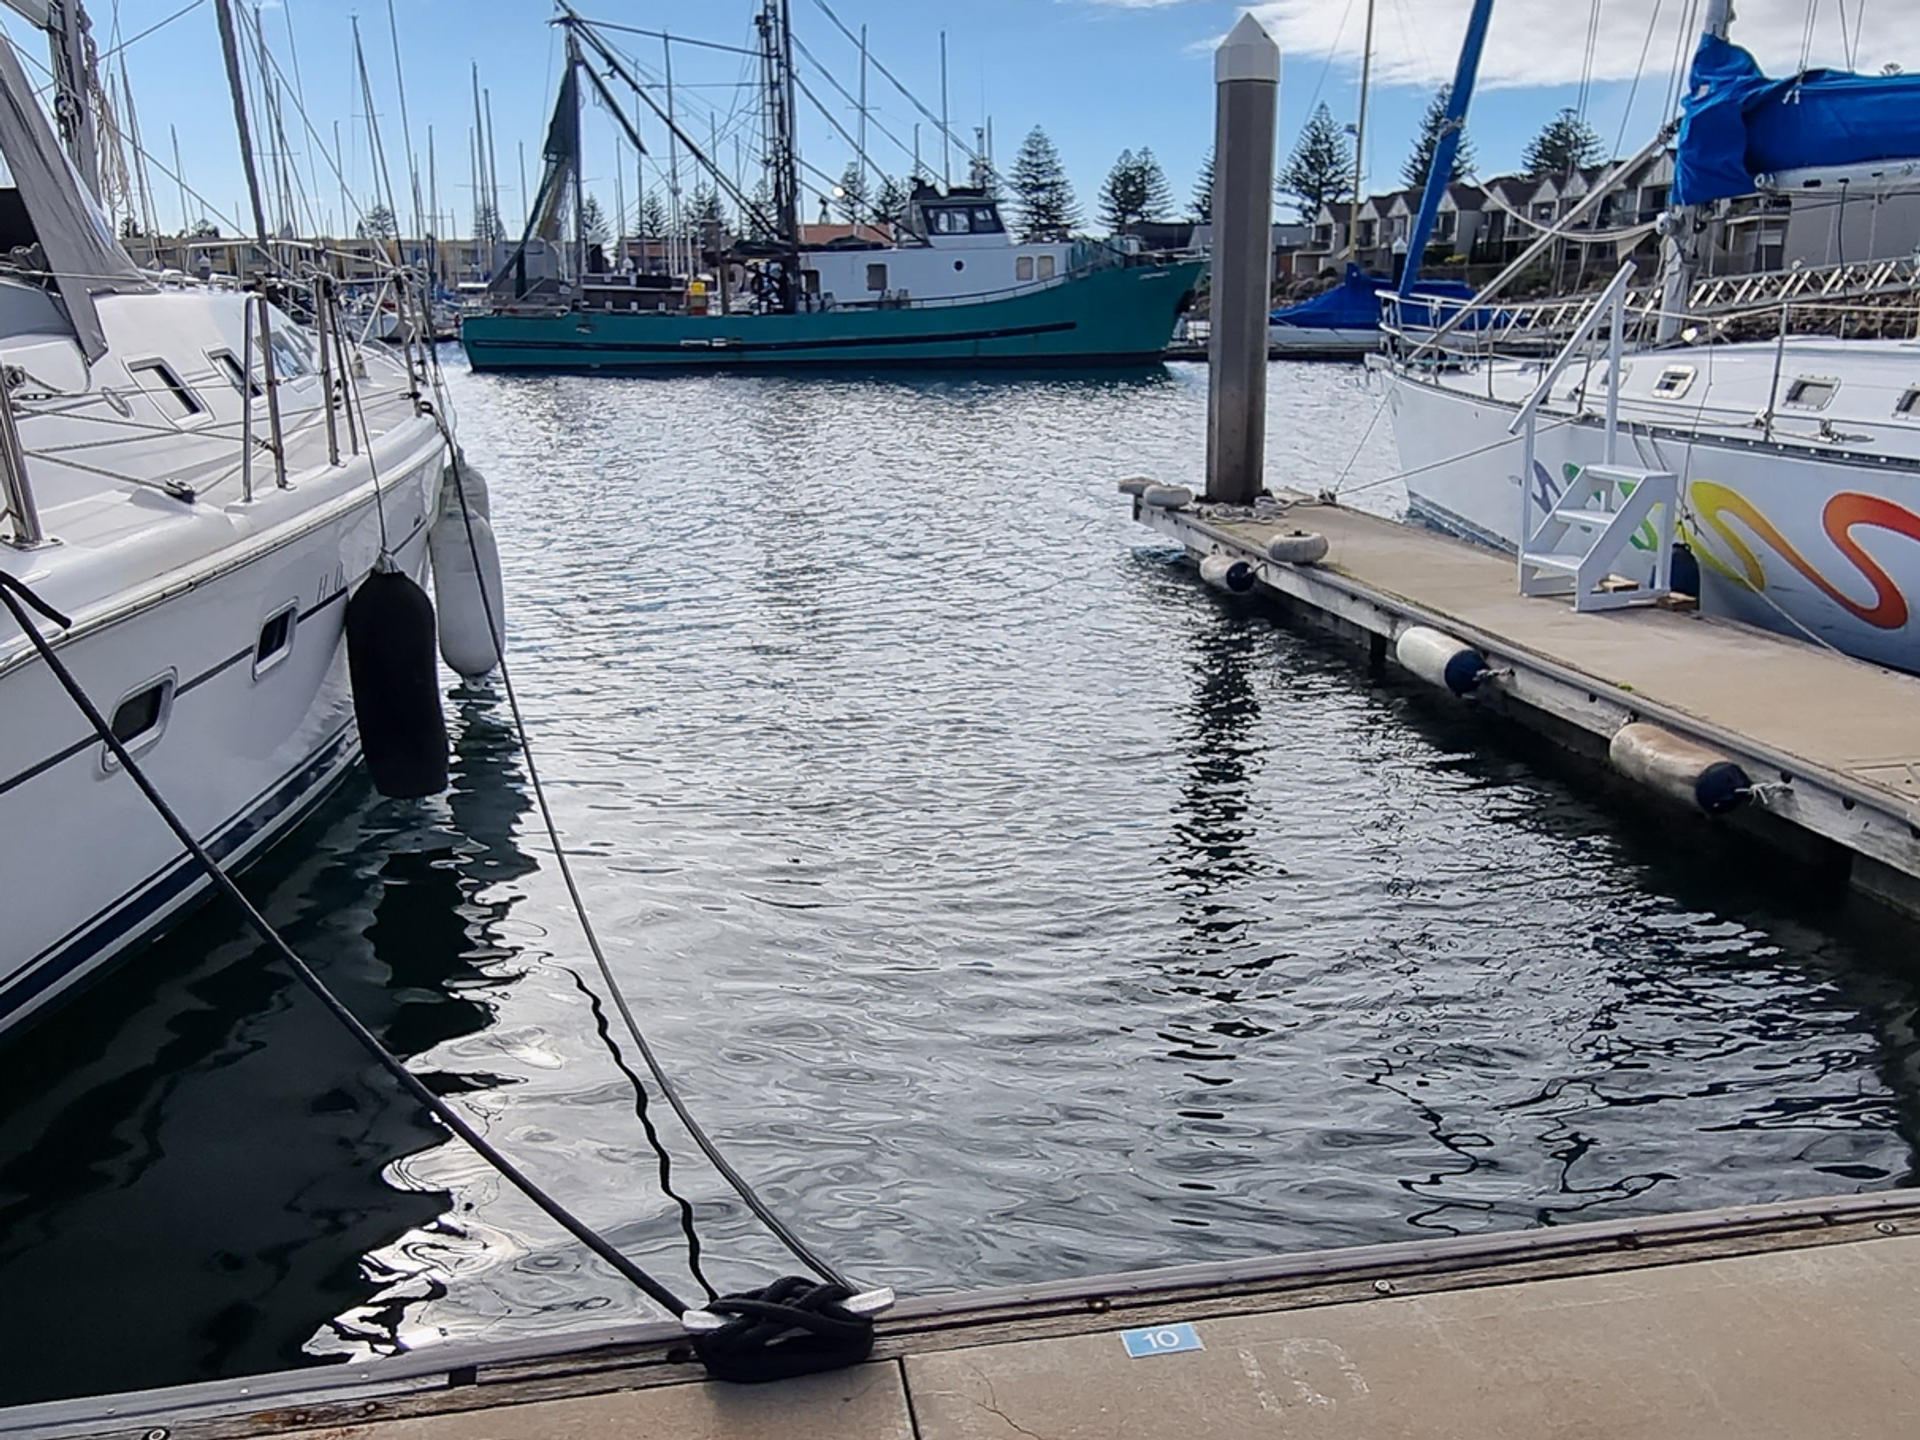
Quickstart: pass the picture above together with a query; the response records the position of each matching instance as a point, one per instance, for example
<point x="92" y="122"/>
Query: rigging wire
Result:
<point x="965" y="149"/>
<point x="1633" y="90"/>
<point x="1586" y="63"/>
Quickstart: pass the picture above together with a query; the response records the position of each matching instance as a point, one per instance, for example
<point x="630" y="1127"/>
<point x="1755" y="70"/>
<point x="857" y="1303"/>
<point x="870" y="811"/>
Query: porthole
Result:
<point x="276" y="639"/>
<point x="241" y="382"/>
<point x="1811" y="392"/>
<point x="140" y="717"/>
<point x="157" y="380"/>
<point x="1674" y="382"/>
<point x="959" y="264"/>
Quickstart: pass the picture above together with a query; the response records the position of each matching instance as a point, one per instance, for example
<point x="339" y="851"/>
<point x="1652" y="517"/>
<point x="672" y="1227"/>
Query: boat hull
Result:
<point x="1120" y="316"/>
<point x="243" y="755"/>
<point x="1817" y="545"/>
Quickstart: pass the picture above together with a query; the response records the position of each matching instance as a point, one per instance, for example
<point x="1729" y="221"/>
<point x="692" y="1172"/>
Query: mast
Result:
<point x="579" y="167"/>
<point x="1680" y="244"/>
<point x="674" y="228"/>
<point x="1442" y="173"/>
<point x="70" y="38"/>
<point x="776" y="37"/>
<point x="230" y="48"/>
<point x="1360" y="140"/>
<point x="946" y="135"/>
<point x="493" y="159"/>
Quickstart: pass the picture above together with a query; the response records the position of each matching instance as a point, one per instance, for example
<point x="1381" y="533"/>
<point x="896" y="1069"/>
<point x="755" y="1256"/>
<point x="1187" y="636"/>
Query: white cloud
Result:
<point x="1544" y="42"/>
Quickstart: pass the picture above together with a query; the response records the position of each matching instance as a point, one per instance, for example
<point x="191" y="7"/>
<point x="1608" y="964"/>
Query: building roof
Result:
<point x="827" y="234"/>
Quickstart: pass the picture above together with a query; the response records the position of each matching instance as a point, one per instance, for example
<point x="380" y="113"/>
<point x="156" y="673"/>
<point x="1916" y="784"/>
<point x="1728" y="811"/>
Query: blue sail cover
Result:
<point x="1736" y="124"/>
<point x="1354" y="304"/>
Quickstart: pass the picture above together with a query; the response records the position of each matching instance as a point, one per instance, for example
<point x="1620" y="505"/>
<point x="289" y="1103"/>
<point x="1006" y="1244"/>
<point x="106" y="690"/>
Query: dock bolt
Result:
<point x="1383" y="1287"/>
<point x="1886" y="1227"/>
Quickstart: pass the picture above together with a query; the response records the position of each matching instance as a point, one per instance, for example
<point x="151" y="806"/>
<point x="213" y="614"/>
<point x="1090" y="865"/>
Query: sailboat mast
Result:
<point x="1680" y="246"/>
<point x="579" y="166"/>
<point x="675" y="230"/>
<point x="1360" y="139"/>
<point x="1441" y="175"/>
<point x="230" y="48"/>
<point x="946" y="134"/>
<point x="776" y="35"/>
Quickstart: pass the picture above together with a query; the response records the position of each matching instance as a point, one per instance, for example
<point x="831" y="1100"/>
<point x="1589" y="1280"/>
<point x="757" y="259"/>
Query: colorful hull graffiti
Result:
<point x="1814" y="544"/>
<point x="1712" y="505"/>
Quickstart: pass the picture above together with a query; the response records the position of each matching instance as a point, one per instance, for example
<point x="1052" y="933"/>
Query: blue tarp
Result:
<point x="1737" y="124"/>
<point x="1354" y="304"/>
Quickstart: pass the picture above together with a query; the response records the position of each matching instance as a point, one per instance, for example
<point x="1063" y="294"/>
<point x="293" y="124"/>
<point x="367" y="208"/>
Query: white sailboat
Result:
<point x="1798" y="457"/>
<point x="198" y="482"/>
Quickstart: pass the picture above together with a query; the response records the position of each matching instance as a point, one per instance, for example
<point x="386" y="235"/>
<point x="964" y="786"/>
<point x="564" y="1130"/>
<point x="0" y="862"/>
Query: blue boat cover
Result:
<point x="1354" y="304"/>
<point x="1736" y="124"/>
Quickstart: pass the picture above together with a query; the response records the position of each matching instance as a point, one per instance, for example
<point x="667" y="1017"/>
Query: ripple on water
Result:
<point x="1010" y="907"/>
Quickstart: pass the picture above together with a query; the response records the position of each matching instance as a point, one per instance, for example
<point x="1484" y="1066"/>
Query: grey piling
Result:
<point x="1247" y="83"/>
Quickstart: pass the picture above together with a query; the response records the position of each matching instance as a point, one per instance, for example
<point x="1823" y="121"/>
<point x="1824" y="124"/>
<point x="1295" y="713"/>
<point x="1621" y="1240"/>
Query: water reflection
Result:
<point x="204" y="1080"/>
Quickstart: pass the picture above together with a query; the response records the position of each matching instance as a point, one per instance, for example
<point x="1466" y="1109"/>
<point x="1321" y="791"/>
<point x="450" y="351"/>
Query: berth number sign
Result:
<point x="1160" y="1340"/>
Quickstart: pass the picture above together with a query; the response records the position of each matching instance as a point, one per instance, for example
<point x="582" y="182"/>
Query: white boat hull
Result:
<point x="87" y="869"/>
<point x="1820" y="543"/>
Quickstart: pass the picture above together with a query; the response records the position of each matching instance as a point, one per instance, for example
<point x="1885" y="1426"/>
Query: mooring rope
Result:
<point x="13" y="592"/>
<point x="795" y="1246"/>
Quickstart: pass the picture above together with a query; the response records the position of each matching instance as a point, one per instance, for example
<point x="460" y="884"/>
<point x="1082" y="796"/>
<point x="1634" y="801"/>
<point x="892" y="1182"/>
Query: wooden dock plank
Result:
<point x="868" y="1402"/>
<point x="1841" y="714"/>
<point x="1788" y="1345"/>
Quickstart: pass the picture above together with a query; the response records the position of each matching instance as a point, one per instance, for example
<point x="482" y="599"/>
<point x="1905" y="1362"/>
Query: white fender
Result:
<point x="1679" y="768"/>
<point x="1167" y="497"/>
<point x="463" y="593"/>
<point x="1302" y="547"/>
<point x="1439" y="659"/>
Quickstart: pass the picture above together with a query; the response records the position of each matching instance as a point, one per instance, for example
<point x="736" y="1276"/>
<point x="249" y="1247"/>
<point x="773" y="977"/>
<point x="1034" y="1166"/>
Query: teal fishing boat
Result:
<point x="942" y="283"/>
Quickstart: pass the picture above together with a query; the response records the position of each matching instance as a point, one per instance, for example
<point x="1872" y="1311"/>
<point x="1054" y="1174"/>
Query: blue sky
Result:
<point x="1100" y="75"/>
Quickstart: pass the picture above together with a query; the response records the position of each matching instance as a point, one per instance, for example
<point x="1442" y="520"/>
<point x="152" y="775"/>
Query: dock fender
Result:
<point x="396" y="686"/>
<point x="1301" y="547"/>
<point x="1225" y="572"/>
<point x="1439" y="659"/>
<point x="1136" y="485"/>
<point x="1679" y="768"/>
<point x="466" y="579"/>
<point x="1167" y="497"/>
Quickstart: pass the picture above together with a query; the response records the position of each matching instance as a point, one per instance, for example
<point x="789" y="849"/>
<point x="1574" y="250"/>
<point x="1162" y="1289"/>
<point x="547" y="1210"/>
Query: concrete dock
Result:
<point x="1787" y="1320"/>
<point x="1832" y="743"/>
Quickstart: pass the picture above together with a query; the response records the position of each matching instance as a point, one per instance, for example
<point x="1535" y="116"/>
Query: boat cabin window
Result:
<point x="1046" y="267"/>
<point x="1810" y="392"/>
<point x="241" y="382"/>
<point x="1674" y="382"/>
<point x="877" y="278"/>
<point x="291" y="358"/>
<point x="1023" y="268"/>
<point x="276" y="640"/>
<point x="169" y="391"/>
<point x="140" y="717"/>
<point x="963" y="220"/>
<point x="1907" y="407"/>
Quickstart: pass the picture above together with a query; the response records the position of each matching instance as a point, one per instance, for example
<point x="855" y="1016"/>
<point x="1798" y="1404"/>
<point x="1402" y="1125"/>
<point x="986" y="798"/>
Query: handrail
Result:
<point x="1607" y="304"/>
<point x="27" y="533"/>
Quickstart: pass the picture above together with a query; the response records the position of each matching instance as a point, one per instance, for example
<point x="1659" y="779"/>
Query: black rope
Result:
<point x="17" y="597"/>
<point x="791" y="1327"/>
<point x="644" y="1113"/>
<point x="795" y="1246"/>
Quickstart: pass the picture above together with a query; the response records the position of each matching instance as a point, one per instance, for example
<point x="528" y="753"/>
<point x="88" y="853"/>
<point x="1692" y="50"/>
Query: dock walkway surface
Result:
<point x="1799" y="1319"/>
<point x="1834" y="742"/>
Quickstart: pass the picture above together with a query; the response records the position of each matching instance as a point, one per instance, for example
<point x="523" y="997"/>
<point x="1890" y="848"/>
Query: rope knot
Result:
<point x="794" y="1326"/>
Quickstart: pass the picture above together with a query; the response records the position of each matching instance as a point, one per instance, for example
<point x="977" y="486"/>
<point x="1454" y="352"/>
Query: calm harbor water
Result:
<point x="1010" y="907"/>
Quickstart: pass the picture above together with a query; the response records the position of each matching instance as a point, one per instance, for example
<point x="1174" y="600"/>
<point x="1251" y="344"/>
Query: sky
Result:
<point x="1100" y="76"/>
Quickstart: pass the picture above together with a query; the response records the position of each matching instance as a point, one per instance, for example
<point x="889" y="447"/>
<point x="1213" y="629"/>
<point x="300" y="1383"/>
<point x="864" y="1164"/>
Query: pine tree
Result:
<point x="1565" y="144"/>
<point x="1202" y="203"/>
<point x="1135" y="191"/>
<point x="377" y="224"/>
<point x="850" y="196"/>
<point x="653" y="216"/>
<point x="1048" y="209"/>
<point x="593" y="222"/>
<point x="1432" y="126"/>
<point x="760" y="220"/>
<point x="1320" y="170"/>
<point x="705" y="214"/>
<point x="889" y="203"/>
